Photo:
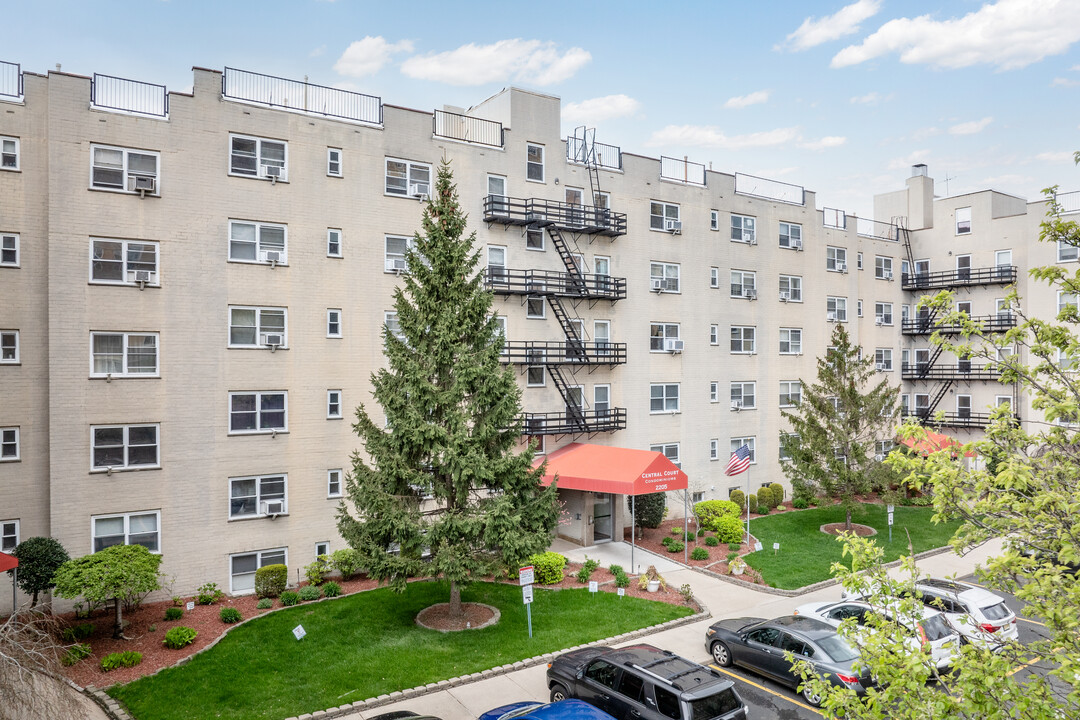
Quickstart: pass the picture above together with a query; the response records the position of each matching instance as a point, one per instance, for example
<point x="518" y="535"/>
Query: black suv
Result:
<point x="642" y="682"/>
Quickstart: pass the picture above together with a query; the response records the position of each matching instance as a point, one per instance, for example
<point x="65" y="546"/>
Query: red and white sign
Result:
<point x="525" y="575"/>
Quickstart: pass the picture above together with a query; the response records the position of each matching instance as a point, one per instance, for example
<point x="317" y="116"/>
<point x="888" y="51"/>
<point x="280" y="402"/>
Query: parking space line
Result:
<point x="762" y="687"/>
<point x="1021" y="667"/>
<point x="1033" y="622"/>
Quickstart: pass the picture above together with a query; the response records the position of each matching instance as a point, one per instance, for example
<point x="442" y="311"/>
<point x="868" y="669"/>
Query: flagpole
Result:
<point x="748" y="508"/>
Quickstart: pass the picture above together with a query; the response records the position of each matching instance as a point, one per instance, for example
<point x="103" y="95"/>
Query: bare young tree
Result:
<point x="30" y="682"/>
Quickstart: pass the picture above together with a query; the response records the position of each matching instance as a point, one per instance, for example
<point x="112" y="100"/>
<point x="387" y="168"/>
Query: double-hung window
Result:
<point x="659" y="332"/>
<point x="714" y="454"/>
<point x="743" y="396"/>
<point x="257" y="327"/>
<point x="883" y="314"/>
<point x="9" y="153"/>
<point x="124" y="262"/>
<point x="668" y="450"/>
<point x="124" y="170"/>
<point x="333" y="323"/>
<point x="258" y="242"/>
<point x="1067" y="251"/>
<point x="534" y="162"/>
<point x="9" y="250"/>
<point x="662" y="215"/>
<point x="258" y="412"/>
<point x="664" y="398"/>
<point x="333" y="242"/>
<point x="963" y="221"/>
<point x="242" y="568"/>
<point x="791" y="236"/>
<point x="714" y="219"/>
<point x="749" y="442"/>
<point x="333" y="405"/>
<point x="9" y="444"/>
<point x="333" y="482"/>
<point x="743" y="229"/>
<point x="714" y="391"/>
<point x="790" y="341"/>
<point x="405" y="178"/>
<point x="9" y="347"/>
<point x="258" y="157"/>
<point x="136" y="528"/>
<point x="883" y="267"/>
<point x="390" y="319"/>
<point x="714" y="334"/>
<point x="397" y="246"/>
<point x="836" y="309"/>
<point x="124" y="446"/>
<point x="334" y="162"/>
<point x="714" y="277"/>
<point x="836" y="259"/>
<point x="790" y="393"/>
<point x="9" y="535"/>
<point x="742" y="339"/>
<point x="791" y="288"/>
<point x="743" y="284"/>
<point x="118" y="354"/>
<point x="664" y="277"/>
<point x="535" y="371"/>
<point x="257" y="496"/>
<point x="883" y="359"/>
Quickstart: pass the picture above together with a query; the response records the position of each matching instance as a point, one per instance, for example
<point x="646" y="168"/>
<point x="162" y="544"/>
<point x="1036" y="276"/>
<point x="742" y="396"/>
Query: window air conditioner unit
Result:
<point x="396" y="265"/>
<point x="272" y="171"/>
<point x="797" y="244"/>
<point x="879" y="320"/>
<point x="886" y="275"/>
<point x="142" y="184"/>
<point x="673" y="346"/>
<point x="752" y="240"/>
<point x="273" y="340"/>
<point x="142" y="276"/>
<point x="273" y="507"/>
<point x="831" y="317"/>
<point x="656" y="285"/>
<point x="749" y="294"/>
<point x="736" y="406"/>
<point x="272" y="256"/>
<point x="418" y="190"/>
<point x="841" y="267"/>
<point x="673" y="226"/>
<point x="881" y="367"/>
<point x="784" y="297"/>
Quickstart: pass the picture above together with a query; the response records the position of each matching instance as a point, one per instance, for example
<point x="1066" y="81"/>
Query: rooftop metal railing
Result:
<point x="115" y="93"/>
<point x="301" y="96"/>
<point x="833" y="218"/>
<point x="467" y="128"/>
<point x="607" y="156"/>
<point x="867" y="227"/>
<point x="11" y="81"/>
<point x="1069" y="202"/>
<point x="769" y="189"/>
<point x="683" y="171"/>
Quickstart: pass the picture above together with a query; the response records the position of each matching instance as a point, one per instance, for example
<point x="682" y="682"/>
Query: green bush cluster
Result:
<point x="739" y="498"/>
<point x="800" y="503"/>
<point x="735" y="545"/>
<point x="289" y="598"/>
<point x="763" y="509"/>
<point x="178" y="637"/>
<point x="331" y="589"/>
<point x="712" y="541"/>
<point x="699" y="553"/>
<point x="77" y="632"/>
<point x="548" y="567"/>
<point x="621" y="578"/>
<point x="230" y="615"/>
<point x="208" y="594"/>
<point x="753" y="501"/>
<point x="729" y="529"/>
<point x="270" y="580"/>
<point x="309" y="593"/>
<point x="115" y="660"/>
<point x="673" y="545"/>
<point x="778" y="492"/>
<point x="314" y="572"/>
<point x="709" y="512"/>
<point x="587" y="569"/>
<point x="675" y="530"/>
<point x="346" y="561"/>
<point x="264" y="604"/>
<point x="174" y="613"/>
<point x="75" y="653"/>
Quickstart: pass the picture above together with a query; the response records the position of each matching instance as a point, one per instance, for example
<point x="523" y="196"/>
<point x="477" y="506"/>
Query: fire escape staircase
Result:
<point x="575" y="414"/>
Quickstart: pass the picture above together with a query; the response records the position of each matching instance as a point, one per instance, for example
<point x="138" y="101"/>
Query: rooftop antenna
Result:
<point x="948" y="177"/>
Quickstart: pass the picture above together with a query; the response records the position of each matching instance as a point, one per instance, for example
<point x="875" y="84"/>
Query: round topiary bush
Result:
<point x="712" y="541"/>
<point x="739" y="498"/>
<point x="729" y="529"/>
<point x="699" y="553"/>
<point x="778" y="492"/>
<point x="270" y="580"/>
<point x="753" y="501"/>
<point x="800" y="504"/>
<point x="675" y="546"/>
<point x="548" y="567"/>
<point x="709" y="511"/>
<point x="230" y="615"/>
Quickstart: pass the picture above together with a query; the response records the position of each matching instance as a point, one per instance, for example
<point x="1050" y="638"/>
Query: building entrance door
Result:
<point x="602" y="522"/>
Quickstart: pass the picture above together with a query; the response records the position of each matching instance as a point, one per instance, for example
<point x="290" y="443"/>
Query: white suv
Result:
<point x="980" y="616"/>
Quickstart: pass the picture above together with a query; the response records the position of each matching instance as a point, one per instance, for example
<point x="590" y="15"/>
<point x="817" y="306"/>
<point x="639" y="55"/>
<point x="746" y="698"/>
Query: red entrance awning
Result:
<point x="8" y="562"/>
<point x="933" y="442"/>
<point x="622" y="471"/>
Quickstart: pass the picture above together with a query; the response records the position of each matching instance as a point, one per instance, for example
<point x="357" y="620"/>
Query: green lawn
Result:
<point x="806" y="553"/>
<point x="367" y="644"/>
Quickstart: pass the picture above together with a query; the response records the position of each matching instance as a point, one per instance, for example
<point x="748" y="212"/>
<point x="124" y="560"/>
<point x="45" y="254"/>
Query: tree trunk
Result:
<point x="118" y="627"/>
<point x="847" y="521"/>
<point x="455" y="599"/>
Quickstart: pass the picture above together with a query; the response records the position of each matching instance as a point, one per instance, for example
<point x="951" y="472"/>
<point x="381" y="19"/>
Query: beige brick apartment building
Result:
<point x="192" y="289"/>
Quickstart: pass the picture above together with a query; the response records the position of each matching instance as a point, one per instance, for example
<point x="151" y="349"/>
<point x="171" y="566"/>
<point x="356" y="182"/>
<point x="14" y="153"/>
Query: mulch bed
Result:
<point x="837" y="528"/>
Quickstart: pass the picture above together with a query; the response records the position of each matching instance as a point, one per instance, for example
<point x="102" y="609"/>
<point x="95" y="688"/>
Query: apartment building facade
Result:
<point x="193" y="287"/>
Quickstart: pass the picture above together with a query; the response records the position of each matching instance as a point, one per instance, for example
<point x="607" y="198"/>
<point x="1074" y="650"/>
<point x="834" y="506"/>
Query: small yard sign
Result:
<point x="775" y="548"/>
<point x="890" y="517"/>
<point x="525" y="575"/>
<point x="621" y="591"/>
<point x="593" y="586"/>
<point x="889" y="509"/>
<point x="299" y="632"/>
<point x="527" y="594"/>
<point x="757" y="547"/>
<point x="191" y="605"/>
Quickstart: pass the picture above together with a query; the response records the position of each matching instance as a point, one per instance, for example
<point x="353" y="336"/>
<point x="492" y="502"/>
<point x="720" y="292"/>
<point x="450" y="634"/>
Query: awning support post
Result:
<point x="633" y="528"/>
<point x="685" y="531"/>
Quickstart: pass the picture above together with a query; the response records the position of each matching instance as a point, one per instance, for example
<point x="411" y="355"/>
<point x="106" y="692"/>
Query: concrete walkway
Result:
<point x="723" y="599"/>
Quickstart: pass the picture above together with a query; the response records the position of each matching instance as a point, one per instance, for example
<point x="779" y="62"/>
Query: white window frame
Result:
<point x="602" y="336"/>
<point x="668" y="396"/>
<point x="531" y="163"/>
<point x="9" y="339"/>
<point x="395" y="261"/>
<point x="9" y="246"/>
<point x="714" y="452"/>
<point x="1067" y="252"/>
<point x="9" y="438"/>
<point x="746" y="334"/>
<point x="259" y="498"/>
<point x="793" y="338"/>
<point x="535" y="307"/>
<point x="782" y="455"/>
<point x="9" y="535"/>
<point x="126" y="173"/>
<point x="9" y="140"/>
<point x="331" y="161"/>
<point x="601" y="408"/>
<point x="662" y="271"/>
<point x="127" y="528"/>
<point x="530" y="234"/>
<point x="714" y="391"/>
<point x="714" y="277"/>
<point x="963" y="220"/>
<point x="334" y="317"/>
<point x="750" y="441"/>
<point x="260" y="328"/>
<point x="259" y="429"/>
<point x="858" y="307"/>
<point x="668" y="211"/>
<point x="668" y="450"/>
<point x="789" y="234"/>
<point x="271" y="558"/>
<point x="714" y="334"/>
<point x="261" y="161"/>
<point x="883" y="265"/>
<point x="794" y="289"/>
<point x="738" y="392"/>
<point x="883" y="356"/>
<point x="261" y="249"/>
<point x="746" y="280"/>
<point x="335" y="478"/>
<point x="859" y="260"/>
<point x="790" y="393"/>
<point x="837" y="305"/>
<point x="127" y="265"/>
<point x="884" y="312"/>
<point x="834" y="257"/>
<point x="743" y="229"/>
<point x="416" y="173"/>
<point x="1064" y="300"/>
<point x="126" y="446"/>
<point x="335" y="238"/>
<point x="323" y="546"/>
<point x="335" y="406"/>
<point x="126" y="351"/>
<point x="664" y="334"/>
<point x="714" y="220"/>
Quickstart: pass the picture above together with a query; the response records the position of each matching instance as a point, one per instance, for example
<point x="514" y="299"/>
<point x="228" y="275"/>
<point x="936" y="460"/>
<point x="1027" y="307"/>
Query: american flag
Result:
<point x="740" y="460"/>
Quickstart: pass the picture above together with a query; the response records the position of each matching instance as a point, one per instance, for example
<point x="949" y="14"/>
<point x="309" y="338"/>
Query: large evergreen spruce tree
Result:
<point x="441" y="475"/>
<point x="830" y="447"/>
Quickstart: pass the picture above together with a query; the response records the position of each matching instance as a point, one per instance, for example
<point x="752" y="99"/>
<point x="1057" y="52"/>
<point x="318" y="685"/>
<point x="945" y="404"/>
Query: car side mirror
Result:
<point x="580" y="674"/>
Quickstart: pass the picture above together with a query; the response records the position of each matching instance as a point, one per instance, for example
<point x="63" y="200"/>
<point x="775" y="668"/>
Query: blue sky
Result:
<point x="840" y="97"/>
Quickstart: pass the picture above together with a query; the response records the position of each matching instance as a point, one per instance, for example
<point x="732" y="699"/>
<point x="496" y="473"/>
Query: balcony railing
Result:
<point x="142" y="98"/>
<point x="504" y="281"/>
<point x="467" y="129"/>
<point x="999" y="275"/>
<point x="760" y="187"/>
<point x="301" y="96"/>
<point x="833" y="218"/>
<point x="866" y="227"/>
<point x="588" y="219"/>
<point x="607" y="156"/>
<point x="11" y="81"/>
<point x="962" y="419"/>
<point x="1069" y="202"/>
<point x="986" y="324"/>
<point x="574" y="422"/>
<point x="563" y="352"/>
<point x="960" y="371"/>
<point x="682" y="171"/>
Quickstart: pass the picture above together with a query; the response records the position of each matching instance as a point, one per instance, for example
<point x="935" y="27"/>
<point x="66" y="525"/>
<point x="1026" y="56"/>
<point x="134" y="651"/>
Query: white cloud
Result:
<point x="599" y="109"/>
<point x="367" y="56"/>
<point x="970" y="128"/>
<point x="754" y="98"/>
<point x="829" y="141"/>
<point x="318" y="52"/>
<point x="845" y="21"/>
<point x="914" y="158"/>
<point x="923" y="133"/>
<point x="1064" y="82"/>
<point x="1064" y="156"/>
<point x="531" y="61"/>
<point x="1008" y="34"/>
<point x="714" y="137"/>
<point x="870" y="98"/>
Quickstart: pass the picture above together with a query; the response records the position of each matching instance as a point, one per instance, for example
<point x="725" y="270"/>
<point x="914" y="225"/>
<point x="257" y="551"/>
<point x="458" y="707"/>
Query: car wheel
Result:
<point x="812" y="698"/>
<point x="721" y="654"/>
<point x="558" y="693"/>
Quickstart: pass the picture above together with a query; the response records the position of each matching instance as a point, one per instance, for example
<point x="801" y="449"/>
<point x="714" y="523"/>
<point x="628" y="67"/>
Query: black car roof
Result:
<point x="808" y="627"/>
<point x="684" y="675"/>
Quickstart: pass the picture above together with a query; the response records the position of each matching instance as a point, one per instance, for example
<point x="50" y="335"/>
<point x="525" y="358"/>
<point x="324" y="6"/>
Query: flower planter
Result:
<point x="653" y="586"/>
<point x="736" y="571"/>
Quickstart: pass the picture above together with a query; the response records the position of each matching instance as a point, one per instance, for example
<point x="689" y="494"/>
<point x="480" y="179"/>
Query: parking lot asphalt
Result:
<point x="765" y="698"/>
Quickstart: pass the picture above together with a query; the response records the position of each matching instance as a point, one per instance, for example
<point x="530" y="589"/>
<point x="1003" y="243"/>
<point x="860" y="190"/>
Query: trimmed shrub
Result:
<point x="264" y="604"/>
<point x="729" y="529"/>
<point x="699" y="553"/>
<point x="289" y="598"/>
<point x="622" y="580"/>
<point x="309" y="593"/>
<point x="676" y="530"/>
<point x="710" y="511"/>
<point x="712" y="541"/>
<point x="179" y="637"/>
<point x="763" y="509"/>
<point x="270" y="580"/>
<point x="735" y="545"/>
<point x="208" y="594"/>
<point x="767" y="497"/>
<point x="701" y="532"/>
<point x="675" y="547"/>
<point x="753" y="501"/>
<point x="331" y="589"/>
<point x="115" y="660"/>
<point x="800" y="504"/>
<point x="739" y="498"/>
<point x="346" y="561"/>
<point x="691" y="536"/>
<point x="174" y="613"/>
<point x="616" y="569"/>
<point x="648" y="509"/>
<point x="548" y="567"/>
<point x="315" y="571"/>
<point x="778" y="492"/>
<point x="587" y="569"/>
<point x="230" y="615"/>
<point x="78" y="632"/>
<point x="75" y="653"/>
<point x="39" y="559"/>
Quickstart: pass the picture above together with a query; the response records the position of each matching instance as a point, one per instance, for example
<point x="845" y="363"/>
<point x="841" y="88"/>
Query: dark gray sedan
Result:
<point x="760" y="645"/>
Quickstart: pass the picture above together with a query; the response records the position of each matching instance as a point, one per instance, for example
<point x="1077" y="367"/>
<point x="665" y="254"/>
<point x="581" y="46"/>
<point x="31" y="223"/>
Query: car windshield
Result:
<point x="996" y="612"/>
<point x="713" y="706"/>
<point x="935" y="628"/>
<point x="837" y="649"/>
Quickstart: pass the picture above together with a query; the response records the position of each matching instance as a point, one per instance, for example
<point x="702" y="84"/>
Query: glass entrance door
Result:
<point x="602" y="518"/>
